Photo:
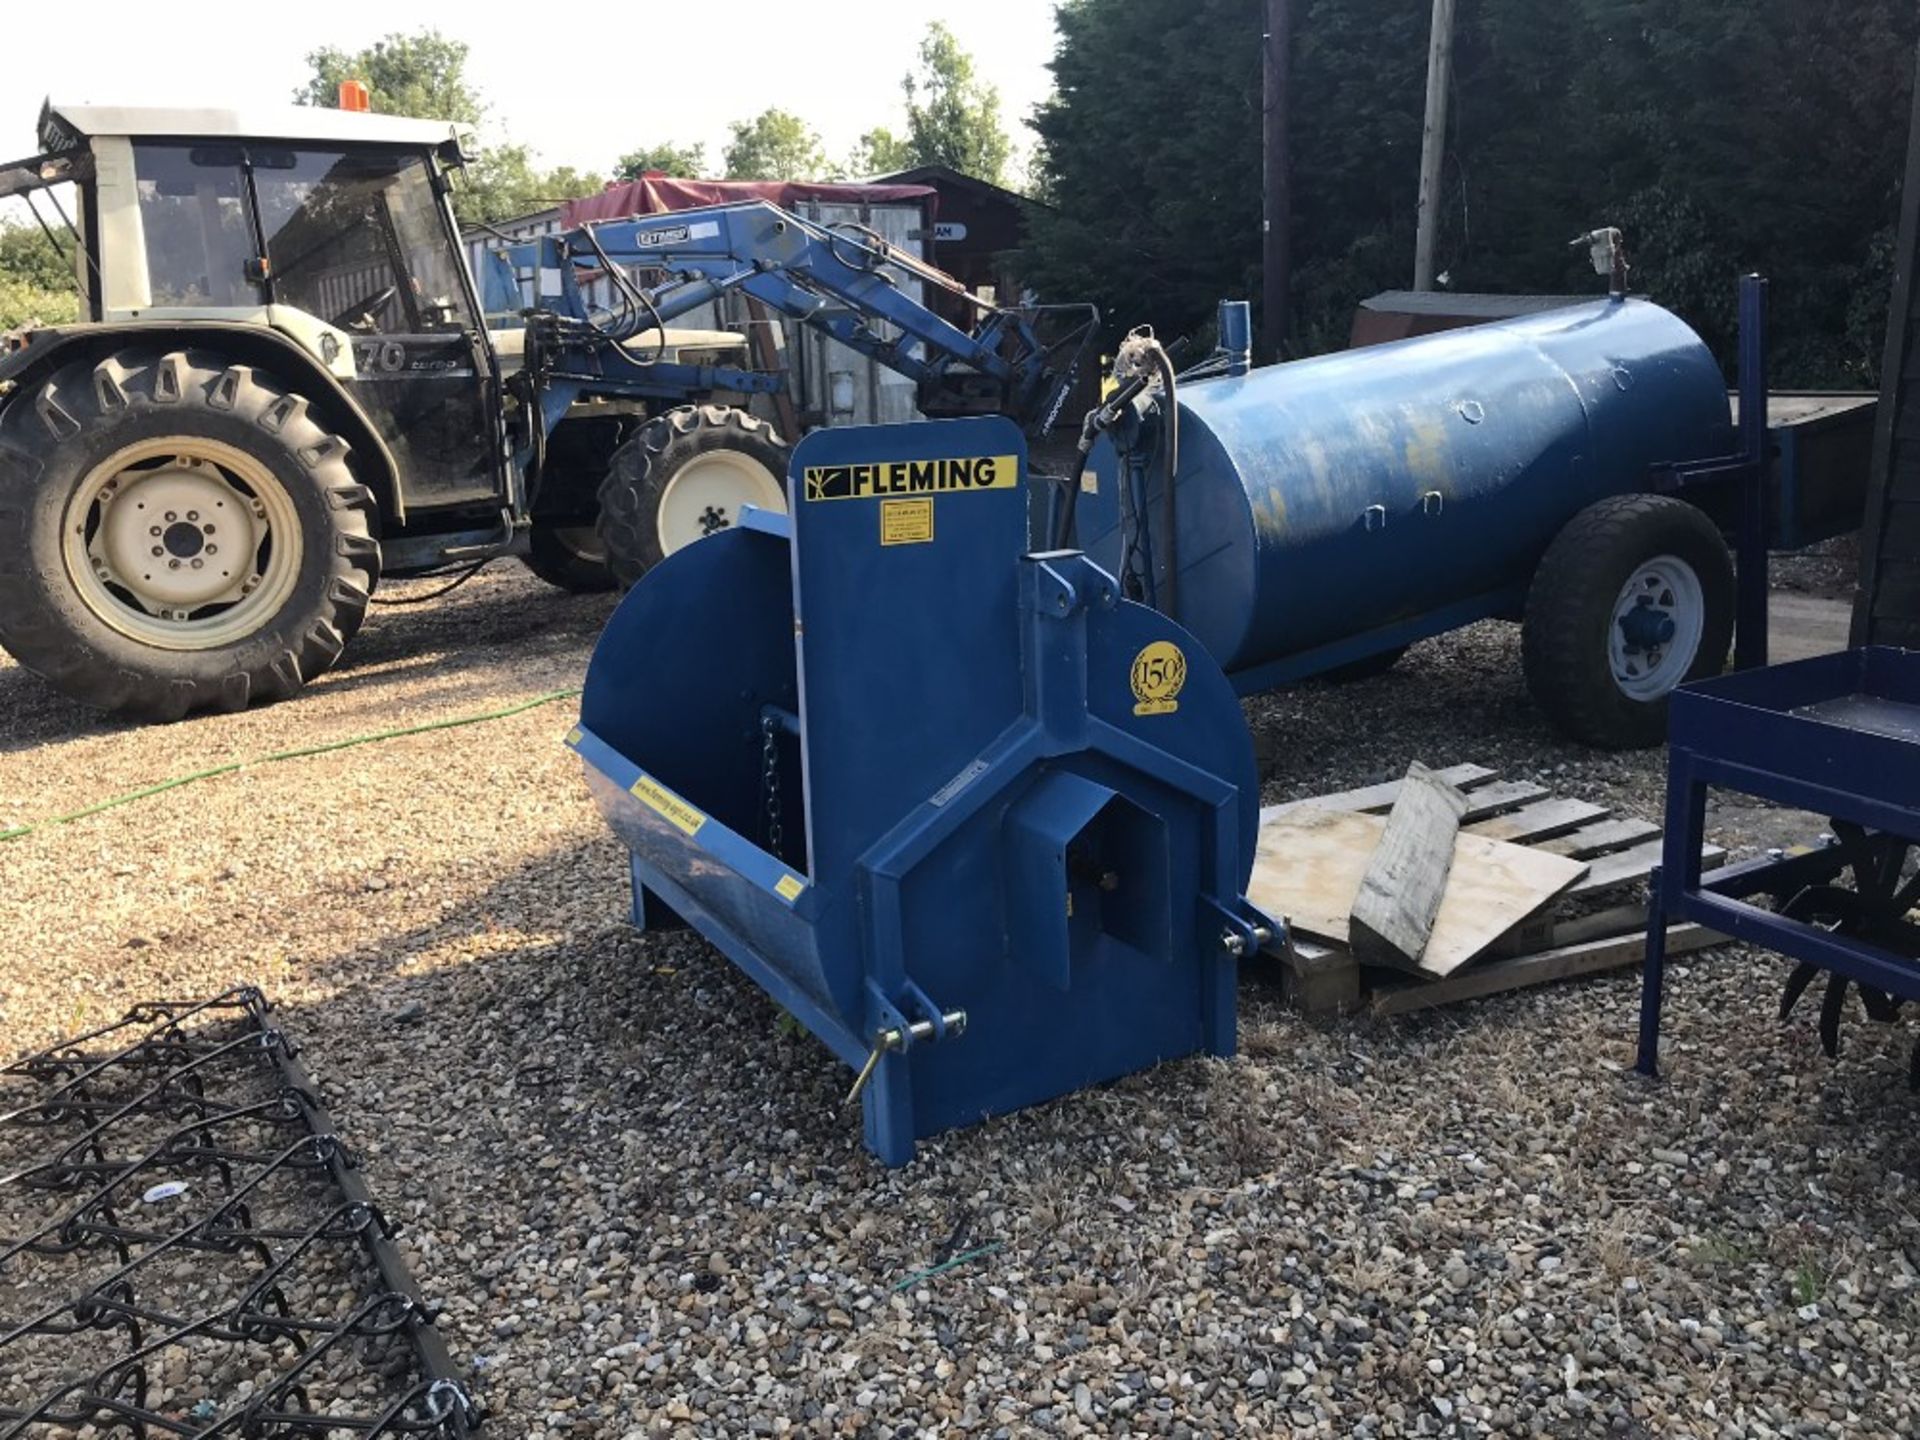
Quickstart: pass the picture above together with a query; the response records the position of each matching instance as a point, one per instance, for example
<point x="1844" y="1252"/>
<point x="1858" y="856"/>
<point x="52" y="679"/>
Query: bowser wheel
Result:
<point x="684" y="476"/>
<point x="183" y="534"/>
<point x="1633" y="598"/>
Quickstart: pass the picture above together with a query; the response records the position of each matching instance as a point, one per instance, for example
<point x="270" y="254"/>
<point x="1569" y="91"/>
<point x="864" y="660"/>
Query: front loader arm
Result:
<point x="841" y="280"/>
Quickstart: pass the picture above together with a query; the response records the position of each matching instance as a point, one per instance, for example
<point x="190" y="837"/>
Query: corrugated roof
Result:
<point x="659" y="194"/>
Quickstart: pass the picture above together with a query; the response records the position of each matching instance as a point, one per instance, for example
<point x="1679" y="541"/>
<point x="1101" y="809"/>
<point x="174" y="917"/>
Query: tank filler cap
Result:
<point x="1607" y="248"/>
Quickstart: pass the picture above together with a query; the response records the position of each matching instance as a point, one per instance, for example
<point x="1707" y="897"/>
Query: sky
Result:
<point x="613" y="78"/>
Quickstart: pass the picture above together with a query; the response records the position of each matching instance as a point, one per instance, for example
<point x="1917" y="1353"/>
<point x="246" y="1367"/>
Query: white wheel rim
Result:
<point x="584" y="542"/>
<point x="706" y="494"/>
<point x="182" y="543"/>
<point x="1655" y="630"/>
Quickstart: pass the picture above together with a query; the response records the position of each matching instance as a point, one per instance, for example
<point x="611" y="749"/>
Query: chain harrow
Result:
<point x="187" y="1249"/>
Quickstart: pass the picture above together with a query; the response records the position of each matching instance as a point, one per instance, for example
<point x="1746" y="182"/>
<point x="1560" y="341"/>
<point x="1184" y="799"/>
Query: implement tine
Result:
<point x="1880" y="1005"/>
<point x="1796" y="987"/>
<point x="1830" y="1008"/>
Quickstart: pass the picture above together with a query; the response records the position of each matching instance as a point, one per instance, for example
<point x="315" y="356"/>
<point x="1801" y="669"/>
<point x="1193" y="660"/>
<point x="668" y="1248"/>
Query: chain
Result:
<point x="770" y="780"/>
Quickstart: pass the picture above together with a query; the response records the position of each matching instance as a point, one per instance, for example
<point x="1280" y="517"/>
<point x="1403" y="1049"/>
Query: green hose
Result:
<point x="304" y="752"/>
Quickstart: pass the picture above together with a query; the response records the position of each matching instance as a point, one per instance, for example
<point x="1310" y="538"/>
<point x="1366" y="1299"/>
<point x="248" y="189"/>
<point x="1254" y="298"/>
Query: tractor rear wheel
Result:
<point x="1633" y="598"/>
<point x="687" y="474"/>
<point x="177" y="534"/>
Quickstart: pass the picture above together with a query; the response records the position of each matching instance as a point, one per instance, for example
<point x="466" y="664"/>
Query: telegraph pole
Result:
<point x="1433" y="140"/>
<point x="1276" y="251"/>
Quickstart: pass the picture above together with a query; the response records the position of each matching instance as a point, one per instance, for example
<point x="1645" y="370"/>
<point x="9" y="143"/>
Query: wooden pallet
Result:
<point x="1597" y="924"/>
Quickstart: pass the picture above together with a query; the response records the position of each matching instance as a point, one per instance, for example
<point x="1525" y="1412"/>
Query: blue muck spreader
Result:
<point x="982" y="825"/>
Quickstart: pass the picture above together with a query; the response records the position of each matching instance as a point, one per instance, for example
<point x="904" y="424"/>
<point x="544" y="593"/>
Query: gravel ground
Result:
<point x="629" y="1183"/>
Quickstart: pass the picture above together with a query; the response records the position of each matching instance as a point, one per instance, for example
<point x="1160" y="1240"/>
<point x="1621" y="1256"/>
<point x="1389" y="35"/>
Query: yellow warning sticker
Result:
<point x="906" y="522"/>
<point x="1159" y="671"/>
<point x="573" y="736"/>
<point x="956" y="475"/>
<point x="788" y="887"/>
<point x="677" y="812"/>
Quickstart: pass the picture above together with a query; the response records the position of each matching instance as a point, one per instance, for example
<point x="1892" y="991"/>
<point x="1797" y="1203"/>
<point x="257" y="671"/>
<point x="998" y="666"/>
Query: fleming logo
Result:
<point x="912" y="477"/>
<point x="1159" y="671"/>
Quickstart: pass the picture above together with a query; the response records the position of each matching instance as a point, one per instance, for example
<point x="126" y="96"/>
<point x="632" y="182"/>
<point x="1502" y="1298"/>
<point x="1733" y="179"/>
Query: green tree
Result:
<point x="668" y="158"/>
<point x="36" y="281"/>
<point x="1151" y="221"/>
<point x="505" y="183"/>
<point x="880" y="152"/>
<point x="424" y="75"/>
<point x="1721" y="135"/>
<point x="775" y="145"/>
<point x="953" y="116"/>
<point x="27" y="255"/>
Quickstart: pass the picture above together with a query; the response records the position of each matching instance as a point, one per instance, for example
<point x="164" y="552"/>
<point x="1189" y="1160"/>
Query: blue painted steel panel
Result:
<point x="1329" y="497"/>
<point x="1021" y="797"/>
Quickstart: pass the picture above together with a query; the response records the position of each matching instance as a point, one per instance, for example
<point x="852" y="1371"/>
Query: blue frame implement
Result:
<point x="1838" y="735"/>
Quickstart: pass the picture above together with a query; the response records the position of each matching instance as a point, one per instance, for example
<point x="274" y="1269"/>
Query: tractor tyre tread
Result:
<point x="85" y="411"/>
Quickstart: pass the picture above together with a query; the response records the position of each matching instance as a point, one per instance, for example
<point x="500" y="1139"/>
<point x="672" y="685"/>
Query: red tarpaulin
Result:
<point x="656" y="194"/>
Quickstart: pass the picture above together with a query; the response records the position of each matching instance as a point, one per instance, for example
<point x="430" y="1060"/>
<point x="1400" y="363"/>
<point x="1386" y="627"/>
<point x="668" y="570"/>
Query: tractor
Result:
<point x="285" y="389"/>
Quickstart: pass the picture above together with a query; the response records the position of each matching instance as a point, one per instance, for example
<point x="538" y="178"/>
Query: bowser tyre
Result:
<point x="177" y="534"/>
<point x="1633" y="598"/>
<point x="686" y="475"/>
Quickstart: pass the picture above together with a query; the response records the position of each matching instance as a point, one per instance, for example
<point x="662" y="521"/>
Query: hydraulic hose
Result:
<point x="1170" y="435"/>
<point x="1099" y="419"/>
<point x="324" y="748"/>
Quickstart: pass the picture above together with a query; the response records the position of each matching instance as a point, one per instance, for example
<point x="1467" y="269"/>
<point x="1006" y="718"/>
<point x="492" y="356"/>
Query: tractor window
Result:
<point x="359" y="240"/>
<point x="193" y="208"/>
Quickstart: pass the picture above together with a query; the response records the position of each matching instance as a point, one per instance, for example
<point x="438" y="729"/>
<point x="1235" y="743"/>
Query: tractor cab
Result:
<point x="328" y="229"/>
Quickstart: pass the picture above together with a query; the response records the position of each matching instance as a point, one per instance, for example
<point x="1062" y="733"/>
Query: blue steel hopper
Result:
<point x="978" y="823"/>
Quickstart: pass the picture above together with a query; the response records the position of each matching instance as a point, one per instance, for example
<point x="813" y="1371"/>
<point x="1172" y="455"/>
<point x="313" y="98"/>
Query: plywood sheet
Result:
<point x="1311" y="861"/>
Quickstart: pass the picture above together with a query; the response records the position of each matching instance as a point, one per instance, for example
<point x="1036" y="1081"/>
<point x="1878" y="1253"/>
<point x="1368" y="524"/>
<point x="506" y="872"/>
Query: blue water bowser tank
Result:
<point x="1327" y="498"/>
<point x="981" y="825"/>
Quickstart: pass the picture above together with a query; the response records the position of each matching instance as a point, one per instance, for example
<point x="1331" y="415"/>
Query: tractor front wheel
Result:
<point x="564" y="546"/>
<point x="177" y="534"/>
<point x="572" y="557"/>
<point x="686" y="475"/>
